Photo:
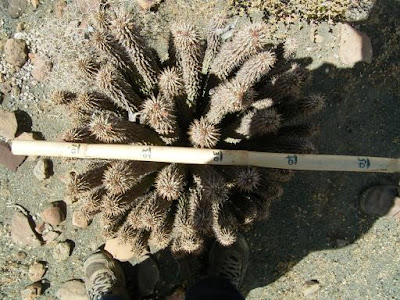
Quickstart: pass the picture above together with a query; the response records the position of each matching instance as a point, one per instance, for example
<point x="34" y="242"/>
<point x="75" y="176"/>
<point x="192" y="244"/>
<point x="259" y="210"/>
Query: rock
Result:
<point x="21" y="255"/>
<point x="62" y="251"/>
<point x="35" y="3"/>
<point x="119" y="250"/>
<point x="41" y="67"/>
<point x="79" y="220"/>
<point x="8" y="159"/>
<point x="8" y="124"/>
<point x="50" y="236"/>
<point x="22" y="231"/>
<point x="178" y="294"/>
<point x="5" y="87"/>
<point x="15" y="8"/>
<point x="20" y="27"/>
<point x="16" y="52"/>
<point x="72" y="290"/>
<point x="42" y="169"/>
<point x="15" y="91"/>
<point x="310" y="287"/>
<point x="36" y="271"/>
<point x="59" y="8"/>
<point x="54" y="213"/>
<point x="355" y="46"/>
<point x="147" y="4"/>
<point x="32" y="291"/>
<point x="40" y="227"/>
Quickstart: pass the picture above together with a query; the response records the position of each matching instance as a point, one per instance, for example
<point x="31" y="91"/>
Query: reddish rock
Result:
<point x="355" y="46"/>
<point x="55" y="213"/>
<point x="22" y="232"/>
<point x="9" y="160"/>
<point x="41" y="67"/>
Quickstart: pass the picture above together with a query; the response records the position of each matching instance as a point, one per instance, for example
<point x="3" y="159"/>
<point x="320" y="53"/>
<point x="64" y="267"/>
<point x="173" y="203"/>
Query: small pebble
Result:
<point x="50" y="236"/>
<point x="21" y="255"/>
<point x="78" y="220"/>
<point x="8" y="124"/>
<point x="310" y="287"/>
<point x="54" y="213"/>
<point x="15" y="91"/>
<point x="62" y="251"/>
<point x="32" y="291"/>
<point x="42" y="169"/>
<point x="20" y="27"/>
<point x="40" y="227"/>
<point x="59" y="8"/>
<point x="36" y="271"/>
<point x="16" y="52"/>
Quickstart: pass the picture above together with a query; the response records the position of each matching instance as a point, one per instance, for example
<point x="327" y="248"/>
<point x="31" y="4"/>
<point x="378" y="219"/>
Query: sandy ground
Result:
<point x="316" y="232"/>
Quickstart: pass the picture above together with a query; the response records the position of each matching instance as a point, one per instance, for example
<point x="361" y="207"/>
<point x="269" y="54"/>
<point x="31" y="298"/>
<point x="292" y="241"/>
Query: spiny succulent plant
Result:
<point x="238" y="93"/>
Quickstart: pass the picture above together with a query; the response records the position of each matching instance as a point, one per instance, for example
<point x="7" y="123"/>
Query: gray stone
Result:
<point x="15" y="8"/>
<point x="16" y="52"/>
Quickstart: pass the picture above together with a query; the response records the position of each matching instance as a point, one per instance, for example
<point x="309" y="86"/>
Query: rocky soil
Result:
<point x="316" y="244"/>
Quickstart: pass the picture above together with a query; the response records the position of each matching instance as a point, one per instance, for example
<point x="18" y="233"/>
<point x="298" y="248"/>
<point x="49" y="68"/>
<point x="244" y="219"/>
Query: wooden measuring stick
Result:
<point x="186" y="155"/>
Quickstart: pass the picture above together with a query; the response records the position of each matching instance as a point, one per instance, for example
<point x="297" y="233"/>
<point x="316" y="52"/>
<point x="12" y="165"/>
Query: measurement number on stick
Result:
<point x="146" y="153"/>
<point x="291" y="160"/>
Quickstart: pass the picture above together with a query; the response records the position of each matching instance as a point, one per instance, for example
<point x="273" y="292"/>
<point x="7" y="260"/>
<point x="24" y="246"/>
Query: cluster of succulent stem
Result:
<point x="239" y="93"/>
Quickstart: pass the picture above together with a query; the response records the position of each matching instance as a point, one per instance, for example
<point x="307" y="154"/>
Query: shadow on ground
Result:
<point x="320" y="210"/>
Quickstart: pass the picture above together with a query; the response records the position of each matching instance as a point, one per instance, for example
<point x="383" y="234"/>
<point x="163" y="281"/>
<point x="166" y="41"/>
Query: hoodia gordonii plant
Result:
<point x="234" y="93"/>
